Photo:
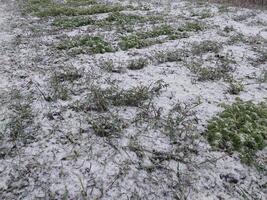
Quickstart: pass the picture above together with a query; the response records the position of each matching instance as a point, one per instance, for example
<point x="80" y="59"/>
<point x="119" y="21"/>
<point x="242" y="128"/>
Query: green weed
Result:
<point x="86" y="44"/>
<point x="137" y="64"/>
<point x="171" y="56"/>
<point x="141" y="39"/>
<point x="73" y="22"/>
<point x="241" y="127"/>
<point x="61" y="9"/>
<point x="101" y="99"/>
<point x="206" y="46"/>
<point x="235" y="87"/>
<point x="192" y="27"/>
<point x="21" y="120"/>
<point x="107" y="125"/>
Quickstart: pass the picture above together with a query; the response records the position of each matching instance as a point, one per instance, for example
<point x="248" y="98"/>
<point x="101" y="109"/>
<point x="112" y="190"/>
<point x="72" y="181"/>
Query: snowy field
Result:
<point x="111" y="99"/>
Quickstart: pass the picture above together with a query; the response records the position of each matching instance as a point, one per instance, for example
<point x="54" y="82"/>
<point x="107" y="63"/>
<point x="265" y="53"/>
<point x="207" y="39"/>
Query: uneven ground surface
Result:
<point x="109" y="121"/>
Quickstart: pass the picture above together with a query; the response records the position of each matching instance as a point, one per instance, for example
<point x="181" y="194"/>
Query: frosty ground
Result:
<point x="90" y="103"/>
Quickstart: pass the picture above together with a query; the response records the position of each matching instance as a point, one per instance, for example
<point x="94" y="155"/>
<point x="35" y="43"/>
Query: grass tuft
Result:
<point x="137" y="64"/>
<point x="206" y="46"/>
<point x="107" y="125"/>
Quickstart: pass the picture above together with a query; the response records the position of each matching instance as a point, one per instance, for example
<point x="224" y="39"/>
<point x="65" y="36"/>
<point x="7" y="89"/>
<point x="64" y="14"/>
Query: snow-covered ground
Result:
<point x="49" y="144"/>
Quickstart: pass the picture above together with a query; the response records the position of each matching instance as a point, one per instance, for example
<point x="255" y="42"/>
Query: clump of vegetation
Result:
<point x="100" y="99"/>
<point x="263" y="76"/>
<point x="207" y="73"/>
<point x="137" y="64"/>
<point x="86" y="44"/>
<point x="21" y="119"/>
<point x="206" y="46"/>
<point x="157" y="31"/>
<point x="203" y="14"/>
<point x="228" y="29"/>
<point x="241" y="127"/>
<point x="236" y="87"/>
<point x="114" y="18"/>
<point x="80" y="2"/>
<point x="36" y="5"/>
<point x="171" y="56"/>
<point x="107" y="125"/>
<point x="262" y="55"/>
<point x="181" y="120"/>
<point x="59" y="10"/>
<point x="109" y="66"/>
<point x="59" y="88"/>
<point x="121" y="18"/>
<point x="141" y="39"/>
<point x="192" y="27"/>
<point x="73" y="22"/>
<point x="134" y="41"/>
<point x="204" y="71"/>
<point x="132" y="97"/>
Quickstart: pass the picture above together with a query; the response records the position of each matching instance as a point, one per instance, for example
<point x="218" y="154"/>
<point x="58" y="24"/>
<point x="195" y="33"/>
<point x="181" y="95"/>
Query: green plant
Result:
<point x="137" y="64"/>
<point x="73" y="22"/>
<point x="206" y="46"/>
<point x="207" y="73"/>
<point x="235" y="87"/>
<point x="241" y="127"/>
<point x="59" y="88"/>
<point x="100" y="99"/>
<point x="107" y="125"/>
<point x="133" y="41"/>
<point x="228" y="29"/>
<point x="181" y="120"/>
<point x="107" y="65"/>
<point x="121" y="18"/>
<point x="205" y="14"/>
<point x="192" y="26"/>
<point x="132" y="97"/>
<point x="80" y="2"/>
<point x="21" y="119"/>
<point x="70" y="74"/>
<point x="263" y="76"/>
<point x="59" y="10"/>
<point x="36" y="5"/>
<point x="171" y="55"/>
<point x="157" y="31"/>
<point x="86" y="44"/>
<point x="143" y="39"/>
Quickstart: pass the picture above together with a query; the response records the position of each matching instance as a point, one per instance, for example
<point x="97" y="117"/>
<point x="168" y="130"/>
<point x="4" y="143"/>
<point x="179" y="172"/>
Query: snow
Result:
<point x="68" y="159"/>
